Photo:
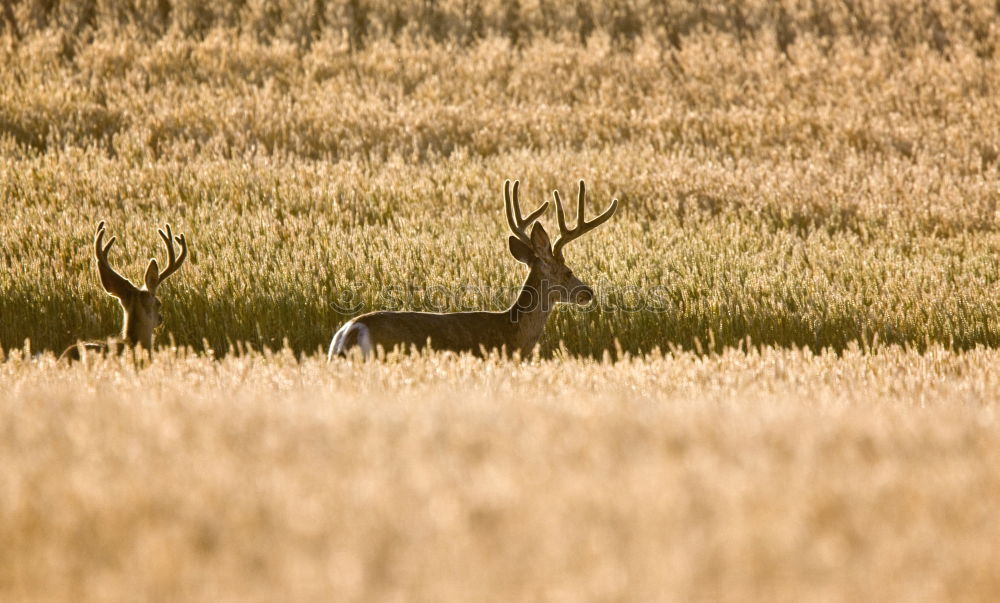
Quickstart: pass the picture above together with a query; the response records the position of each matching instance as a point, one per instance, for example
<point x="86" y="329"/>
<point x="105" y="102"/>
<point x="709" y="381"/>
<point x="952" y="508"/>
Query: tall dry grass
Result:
<point x="816" y="180"/>
<point x="774" y="475"/>
<point x="834" y="192"/>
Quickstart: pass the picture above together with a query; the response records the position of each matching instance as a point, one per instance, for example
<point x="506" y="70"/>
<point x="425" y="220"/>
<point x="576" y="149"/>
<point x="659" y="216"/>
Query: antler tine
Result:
<point x="173" y="262"/>
<point x="567" y="234"/>
<point x="512" y="207"/>
<point x="113" y="283"/>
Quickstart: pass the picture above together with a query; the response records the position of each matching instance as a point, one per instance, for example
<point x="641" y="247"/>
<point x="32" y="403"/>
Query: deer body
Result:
<point x="140" y="306"/>
<point x="514" y="330"/>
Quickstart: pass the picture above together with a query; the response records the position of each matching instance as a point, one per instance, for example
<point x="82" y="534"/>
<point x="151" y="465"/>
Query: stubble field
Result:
<point x="786" y="390"/>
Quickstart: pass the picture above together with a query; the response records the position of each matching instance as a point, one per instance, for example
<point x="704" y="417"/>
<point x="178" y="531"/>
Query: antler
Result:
<point x="582" y="226"/>
<point x="113" y="283"/>
<point x="513" y="210"/>
<point x="173" y="262"/>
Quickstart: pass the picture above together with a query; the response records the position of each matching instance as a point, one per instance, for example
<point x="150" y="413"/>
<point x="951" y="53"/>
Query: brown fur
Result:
<point x="514" y="330"/>
<point x="140" y="306"/>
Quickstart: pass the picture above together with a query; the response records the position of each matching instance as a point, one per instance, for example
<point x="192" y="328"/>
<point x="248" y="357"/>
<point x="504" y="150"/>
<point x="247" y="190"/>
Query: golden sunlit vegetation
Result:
<point x="773" y="475"/>
<point x="786" y="389"/>
<point x="836" y="193"/>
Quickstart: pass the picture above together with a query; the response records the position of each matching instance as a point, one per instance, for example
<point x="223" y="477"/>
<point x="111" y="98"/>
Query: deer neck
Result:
<point x="530" y="311"/>
<point x="135" y="333"/>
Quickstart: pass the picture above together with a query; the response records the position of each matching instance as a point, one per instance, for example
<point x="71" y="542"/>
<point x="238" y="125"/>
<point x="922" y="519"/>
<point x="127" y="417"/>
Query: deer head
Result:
<point x="139" y="304"/>
<point x="557" y="283"/>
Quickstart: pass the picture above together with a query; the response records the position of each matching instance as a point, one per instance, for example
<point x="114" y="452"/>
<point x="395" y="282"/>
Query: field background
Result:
<point x="808" y="231"/>
<point x="843" y="188"/>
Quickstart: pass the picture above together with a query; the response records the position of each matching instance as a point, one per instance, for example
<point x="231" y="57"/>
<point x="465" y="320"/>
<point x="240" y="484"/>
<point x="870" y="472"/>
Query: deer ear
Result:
<point x="152" y="277"/>
<point x="540" y="239"/>
<point x="521" y="252"/>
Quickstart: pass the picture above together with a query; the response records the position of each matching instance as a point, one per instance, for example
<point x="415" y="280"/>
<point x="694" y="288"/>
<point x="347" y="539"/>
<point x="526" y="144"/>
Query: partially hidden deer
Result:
<point x="515" y="330"/>
<point x="140" y="306"/>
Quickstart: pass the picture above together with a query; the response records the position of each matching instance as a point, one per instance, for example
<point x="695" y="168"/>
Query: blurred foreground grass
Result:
<point x="778" y="475"/>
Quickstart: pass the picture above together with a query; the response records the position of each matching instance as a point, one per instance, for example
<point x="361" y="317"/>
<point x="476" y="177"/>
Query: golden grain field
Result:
<point x="778" y="475"/>
<point x="786" y="389"/>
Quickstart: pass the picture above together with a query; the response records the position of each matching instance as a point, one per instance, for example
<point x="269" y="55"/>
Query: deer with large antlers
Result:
<point x="140" y="305"/>
<point x="514" y="330"/>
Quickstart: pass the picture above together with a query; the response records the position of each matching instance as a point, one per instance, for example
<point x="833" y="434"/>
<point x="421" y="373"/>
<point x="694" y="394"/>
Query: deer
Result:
<point x="140" y="306"/>
<point x="513" y="331"/>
